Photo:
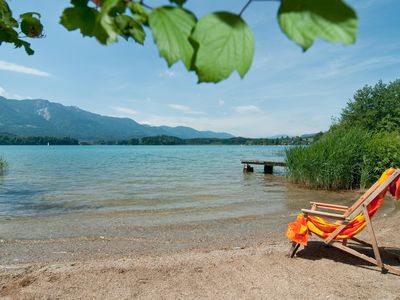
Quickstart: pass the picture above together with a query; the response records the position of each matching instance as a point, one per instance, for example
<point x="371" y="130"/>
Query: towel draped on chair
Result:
<point x="298" y="230"/>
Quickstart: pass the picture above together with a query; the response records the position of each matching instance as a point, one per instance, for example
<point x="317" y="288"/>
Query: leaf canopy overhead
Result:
<point x="305" y="20"/>
<point x="171" y="28"/>
<point x="224" y="44"/>
<point x="213" y="46"/>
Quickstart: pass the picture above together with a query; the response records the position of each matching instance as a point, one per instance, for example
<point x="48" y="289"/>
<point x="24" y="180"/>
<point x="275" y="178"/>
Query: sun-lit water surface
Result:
<point x="45" y="180"/>
<point x="163" y="193"/>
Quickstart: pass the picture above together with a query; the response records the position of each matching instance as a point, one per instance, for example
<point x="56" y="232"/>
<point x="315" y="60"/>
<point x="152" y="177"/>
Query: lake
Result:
<point x="162" y="197"/>
<point x="43" y="180"/>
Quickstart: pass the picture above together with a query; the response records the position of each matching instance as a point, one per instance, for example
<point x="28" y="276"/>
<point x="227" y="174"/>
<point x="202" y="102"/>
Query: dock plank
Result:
<point x="268" y="165"/>
<point x="264" y="162"/>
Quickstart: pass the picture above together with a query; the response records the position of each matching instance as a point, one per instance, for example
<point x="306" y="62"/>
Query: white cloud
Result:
<point x="247" y="109"/>
<point x="167" y="74"/>
<point x="7" y="66"/>
<point x="125" y="110"/>
<point x="3" y="93"/>
<point x="345" y="67"/>
<point x="221" y="102"/>
<point x="146" y="100"/>
<point x="19" y="97"/>
<point x="185" y="109"/>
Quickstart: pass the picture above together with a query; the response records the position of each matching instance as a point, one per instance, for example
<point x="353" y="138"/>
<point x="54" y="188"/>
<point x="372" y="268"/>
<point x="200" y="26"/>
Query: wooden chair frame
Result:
<point x="346" y="216"/>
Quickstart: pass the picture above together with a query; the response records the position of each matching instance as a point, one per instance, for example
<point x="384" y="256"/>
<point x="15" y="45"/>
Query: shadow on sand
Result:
<point x="318" y="250"/>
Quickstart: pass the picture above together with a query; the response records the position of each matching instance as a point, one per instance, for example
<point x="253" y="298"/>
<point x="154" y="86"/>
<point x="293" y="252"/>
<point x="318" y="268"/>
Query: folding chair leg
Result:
<point x="293" y="249"/>
<point x="373" y="239"/>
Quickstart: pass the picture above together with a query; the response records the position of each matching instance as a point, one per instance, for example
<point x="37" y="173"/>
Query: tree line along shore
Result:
<point x="159" y="140"/>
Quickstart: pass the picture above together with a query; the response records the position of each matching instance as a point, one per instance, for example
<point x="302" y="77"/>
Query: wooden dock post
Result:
<point x="268" y="165"/>
<point x="247" y="168"/>
<point x="268" y="169"/>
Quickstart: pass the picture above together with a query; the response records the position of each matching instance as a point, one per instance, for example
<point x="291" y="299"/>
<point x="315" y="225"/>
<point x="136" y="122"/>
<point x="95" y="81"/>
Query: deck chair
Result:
<point x="349" y="221"/>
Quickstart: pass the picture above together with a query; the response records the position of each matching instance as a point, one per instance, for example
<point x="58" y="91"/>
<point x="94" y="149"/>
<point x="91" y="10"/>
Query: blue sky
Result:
<point x="285" y="92"/>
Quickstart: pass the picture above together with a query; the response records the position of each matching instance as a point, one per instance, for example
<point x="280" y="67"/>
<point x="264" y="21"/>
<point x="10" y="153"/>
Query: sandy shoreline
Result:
<point x="256" y="270"/>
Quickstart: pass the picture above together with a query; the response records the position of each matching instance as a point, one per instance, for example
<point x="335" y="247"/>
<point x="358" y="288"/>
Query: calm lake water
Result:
<point x="44" y="180"/>
<point x="65" y="202"/>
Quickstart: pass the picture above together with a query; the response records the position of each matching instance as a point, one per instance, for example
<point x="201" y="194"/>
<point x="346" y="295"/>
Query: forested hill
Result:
<point x="45" y="118"/>
<point x="159" y="140"/>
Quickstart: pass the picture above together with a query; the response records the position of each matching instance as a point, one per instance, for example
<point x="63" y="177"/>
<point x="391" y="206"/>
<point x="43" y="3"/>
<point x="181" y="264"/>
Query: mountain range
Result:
<point x="45" y="118"/>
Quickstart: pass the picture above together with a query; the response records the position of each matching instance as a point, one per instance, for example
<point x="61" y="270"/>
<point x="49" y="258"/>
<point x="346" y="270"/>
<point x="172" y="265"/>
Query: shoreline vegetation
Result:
<point x="358" y="147"/>
<point x="3" y="165"/>
<point x="161" y="140"/>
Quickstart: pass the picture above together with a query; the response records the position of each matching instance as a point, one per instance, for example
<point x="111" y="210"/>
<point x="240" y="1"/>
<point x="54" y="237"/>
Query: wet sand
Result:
<point x="100" y="235"/>
<point x="246" y="266"/>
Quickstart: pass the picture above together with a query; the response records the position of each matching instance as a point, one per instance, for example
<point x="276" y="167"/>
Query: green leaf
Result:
<point x="83" y="18"/>
<point x="139" y="13"/>
<point x="305" y="20"/>
<point x="77" y="3"/>
<point x="137" y="32"/>
<point x="225" y="43"/>
<point x="31" y="26"/>
<point x="128" y="27"/>
<point x="18" y="43"/>
<point x="31" y="14"/>
<point x="171" y="28"/>
<point x="8" y="35"/>
<point x="6" y="15"/>
<point x="179" y="2"/>
<point x="108" y="33"/>
<point x="91" y="22"/>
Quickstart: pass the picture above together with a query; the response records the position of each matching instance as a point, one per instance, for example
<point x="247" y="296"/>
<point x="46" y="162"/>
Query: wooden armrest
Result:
<point x="330" y="206"/>
<point x="323" y="214"/>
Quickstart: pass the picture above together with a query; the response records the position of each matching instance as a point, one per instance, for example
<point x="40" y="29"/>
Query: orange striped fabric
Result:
<point x="298" y="230"/>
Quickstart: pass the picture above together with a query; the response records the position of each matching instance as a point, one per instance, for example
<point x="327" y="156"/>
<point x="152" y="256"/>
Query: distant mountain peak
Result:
<point x="44" y="118"/>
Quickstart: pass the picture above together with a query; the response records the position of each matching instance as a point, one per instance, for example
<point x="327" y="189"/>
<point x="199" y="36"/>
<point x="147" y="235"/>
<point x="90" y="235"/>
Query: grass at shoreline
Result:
<point x="344" y="159"/>
<point x="3" y="165"/>
<point x="334" y="162"/>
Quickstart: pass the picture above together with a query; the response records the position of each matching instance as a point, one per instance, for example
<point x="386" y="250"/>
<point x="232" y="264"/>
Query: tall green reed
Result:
<point x="3" y="165"/>
<point x="343" y="159"/>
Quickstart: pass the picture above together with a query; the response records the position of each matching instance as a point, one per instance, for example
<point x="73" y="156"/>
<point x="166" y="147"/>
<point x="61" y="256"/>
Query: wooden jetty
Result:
<point x="268" y="165"/>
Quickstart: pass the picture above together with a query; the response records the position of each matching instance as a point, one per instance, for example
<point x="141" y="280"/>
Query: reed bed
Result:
<point x="343" y="159"/>
<point x="3" y="165"/>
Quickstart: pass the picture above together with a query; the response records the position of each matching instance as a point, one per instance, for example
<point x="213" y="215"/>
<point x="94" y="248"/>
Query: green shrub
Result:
<point x="344" y="159"/>
<point x="375" y="108"/>
<point x="383" y="152"/>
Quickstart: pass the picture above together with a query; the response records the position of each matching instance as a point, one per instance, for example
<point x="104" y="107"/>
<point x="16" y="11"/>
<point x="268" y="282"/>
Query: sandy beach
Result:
<point x="256" y="269"/>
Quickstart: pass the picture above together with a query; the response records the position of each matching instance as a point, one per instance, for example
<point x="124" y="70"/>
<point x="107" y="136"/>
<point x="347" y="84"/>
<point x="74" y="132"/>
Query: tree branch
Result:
<point x="250" y="1"/>
<point x="245" y="7"/>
